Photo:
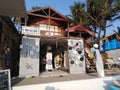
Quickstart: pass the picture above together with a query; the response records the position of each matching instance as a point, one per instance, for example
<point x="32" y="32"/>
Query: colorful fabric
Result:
<point x="111" y="44"/>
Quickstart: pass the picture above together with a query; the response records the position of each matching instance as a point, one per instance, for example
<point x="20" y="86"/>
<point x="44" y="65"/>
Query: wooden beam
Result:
<point x="49" y="21"/>
<point x="47" y="17"/>
<point x="53" y="14"/>
<point x="44" y="12"/>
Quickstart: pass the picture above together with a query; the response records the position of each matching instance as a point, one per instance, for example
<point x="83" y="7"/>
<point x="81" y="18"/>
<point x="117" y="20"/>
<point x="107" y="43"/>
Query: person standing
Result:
<point x="99" y="61"/>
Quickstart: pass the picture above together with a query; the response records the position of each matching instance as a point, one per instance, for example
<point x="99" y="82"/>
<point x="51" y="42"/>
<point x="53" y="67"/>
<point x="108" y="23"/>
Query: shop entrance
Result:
<point x="58" y="49"/>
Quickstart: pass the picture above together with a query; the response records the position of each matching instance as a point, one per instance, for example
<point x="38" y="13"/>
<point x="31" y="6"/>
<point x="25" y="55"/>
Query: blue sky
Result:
<point x="60" y="5"/>
<point x="63" y="6"/>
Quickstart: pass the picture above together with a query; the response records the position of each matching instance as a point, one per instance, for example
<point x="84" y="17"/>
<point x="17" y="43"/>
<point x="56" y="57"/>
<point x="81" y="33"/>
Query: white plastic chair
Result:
<point x="118" y="61"/>
<point x="111" y="63"/>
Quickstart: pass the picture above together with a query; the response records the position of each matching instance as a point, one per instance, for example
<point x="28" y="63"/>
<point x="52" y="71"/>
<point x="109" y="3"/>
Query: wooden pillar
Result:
<point x="80" y="34"/>
<point x="49" y="21"/>
<point x="25" y="22"/>
<point x="67" y="29"/>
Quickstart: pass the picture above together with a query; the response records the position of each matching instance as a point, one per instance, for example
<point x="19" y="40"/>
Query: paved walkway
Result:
<point x="48" y="77"/>
<point x="56" y="77"/>
<point x="82" y="84"/>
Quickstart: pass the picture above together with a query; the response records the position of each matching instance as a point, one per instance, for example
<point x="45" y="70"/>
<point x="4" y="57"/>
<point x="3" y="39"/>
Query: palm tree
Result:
<point x="116" y="6"/>
<point x="116" y="9"/>
<point x="36" y="7"/>
<point x="78" y="14"/>
<point x="100" y="12"/>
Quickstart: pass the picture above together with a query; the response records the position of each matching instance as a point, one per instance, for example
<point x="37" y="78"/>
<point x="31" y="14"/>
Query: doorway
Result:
<point x="59" y="50"/>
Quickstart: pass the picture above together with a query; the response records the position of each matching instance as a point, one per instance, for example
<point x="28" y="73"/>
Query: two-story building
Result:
<point x="47" y="29"/>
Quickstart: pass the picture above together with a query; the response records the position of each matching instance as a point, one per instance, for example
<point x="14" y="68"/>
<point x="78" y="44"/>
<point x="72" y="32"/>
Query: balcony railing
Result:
<point x="26" y="30"/>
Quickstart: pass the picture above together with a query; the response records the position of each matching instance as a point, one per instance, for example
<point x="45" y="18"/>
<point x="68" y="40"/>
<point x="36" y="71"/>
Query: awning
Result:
<point x="80" y="28"/>
<point x="13" y="8"/>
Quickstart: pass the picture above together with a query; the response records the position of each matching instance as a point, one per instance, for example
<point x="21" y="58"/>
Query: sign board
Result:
<point x="5" y="80"/>
<point x="30" y="30"/>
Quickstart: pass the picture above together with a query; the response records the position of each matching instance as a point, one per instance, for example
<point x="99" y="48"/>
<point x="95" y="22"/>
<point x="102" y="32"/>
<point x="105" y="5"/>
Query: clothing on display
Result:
<point x="49" y="61"/>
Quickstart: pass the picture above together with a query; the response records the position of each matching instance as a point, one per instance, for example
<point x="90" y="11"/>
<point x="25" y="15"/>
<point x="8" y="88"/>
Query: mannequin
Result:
<point x="49" y="66"/>
<point x="99" y="62"/>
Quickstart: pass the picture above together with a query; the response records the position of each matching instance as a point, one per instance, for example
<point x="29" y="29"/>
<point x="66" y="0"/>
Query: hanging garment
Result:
<point x="49" y="61"/>
<point x="99" y="64"/>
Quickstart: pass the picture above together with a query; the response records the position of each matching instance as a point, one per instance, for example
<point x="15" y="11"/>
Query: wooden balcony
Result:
<point x="51" y="33"/>
<point x="43" y="31"/>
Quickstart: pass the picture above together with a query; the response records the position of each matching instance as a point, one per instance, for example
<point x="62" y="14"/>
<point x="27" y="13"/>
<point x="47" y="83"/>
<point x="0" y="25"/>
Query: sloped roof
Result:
<point x="46" y="12"/>
<point x="80" y="28"/>
<point x="13" y="8"/>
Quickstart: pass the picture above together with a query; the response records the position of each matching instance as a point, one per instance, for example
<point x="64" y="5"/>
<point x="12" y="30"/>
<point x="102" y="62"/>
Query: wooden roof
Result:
<point x="46" y="15"/>
<point x="47" y="12"/>
<point x="80" y="28"/>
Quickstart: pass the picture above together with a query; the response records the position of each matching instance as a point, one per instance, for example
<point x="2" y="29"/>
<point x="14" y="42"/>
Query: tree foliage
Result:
<point x="97" y="14"/>
<point x="78" y="13"/>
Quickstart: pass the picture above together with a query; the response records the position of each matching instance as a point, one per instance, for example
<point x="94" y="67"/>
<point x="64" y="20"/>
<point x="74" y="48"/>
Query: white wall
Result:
<point x="29" y="57"/>
<point x="78" y="65"/>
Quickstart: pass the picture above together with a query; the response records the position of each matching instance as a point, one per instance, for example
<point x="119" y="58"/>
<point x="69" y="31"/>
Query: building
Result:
<point x="9" y="45"/>
<point x="110" y="46"/>
<point x="47" y="29"/>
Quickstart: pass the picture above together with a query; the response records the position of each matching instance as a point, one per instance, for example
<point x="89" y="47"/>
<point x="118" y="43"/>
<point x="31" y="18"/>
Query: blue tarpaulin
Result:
<point x="111" y="44"/>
